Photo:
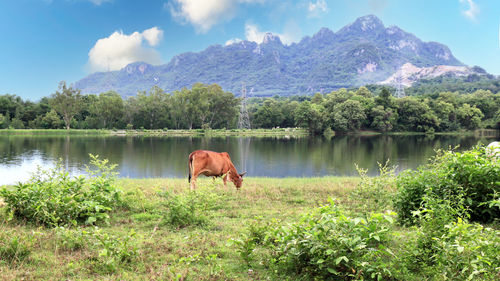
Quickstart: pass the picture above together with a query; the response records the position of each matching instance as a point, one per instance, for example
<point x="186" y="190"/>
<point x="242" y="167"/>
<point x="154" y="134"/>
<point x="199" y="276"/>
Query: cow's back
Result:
<point x="210" y="163"/>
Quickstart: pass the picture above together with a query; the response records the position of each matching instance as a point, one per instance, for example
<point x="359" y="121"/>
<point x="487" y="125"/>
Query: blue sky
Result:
<point x="47" y="41"/>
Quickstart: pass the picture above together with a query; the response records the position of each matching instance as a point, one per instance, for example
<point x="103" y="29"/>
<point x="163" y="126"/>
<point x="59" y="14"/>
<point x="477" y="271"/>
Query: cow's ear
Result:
<point x="242" y="174"/>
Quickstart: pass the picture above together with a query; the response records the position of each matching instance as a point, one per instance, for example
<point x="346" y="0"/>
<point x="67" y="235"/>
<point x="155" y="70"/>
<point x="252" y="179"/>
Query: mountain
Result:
<point x="362" y="52"/>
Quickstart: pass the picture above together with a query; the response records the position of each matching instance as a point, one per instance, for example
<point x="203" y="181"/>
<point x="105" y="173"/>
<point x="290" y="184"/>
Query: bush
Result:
<point x="468" y="252"/>
<point x="470" y="175"/>
<point x="446" y="248"/>
<point x="190" y="208"/>
<point x="55" y="198"/>
<point x="326" y="244"/>
<point x="374" y="194"/>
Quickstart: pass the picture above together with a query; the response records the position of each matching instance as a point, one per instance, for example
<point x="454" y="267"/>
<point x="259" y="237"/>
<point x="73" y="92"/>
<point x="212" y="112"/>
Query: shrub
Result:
<point x="374" y="194"/>
<point x="55" y="198"/>
<point x="468" y="252"/>
<point x="470" y="175"/>
<point x="190" y="208"/>
<point x="446" y="248"/>
<point x="258" y="234"/>
<point x="326" y="244"/>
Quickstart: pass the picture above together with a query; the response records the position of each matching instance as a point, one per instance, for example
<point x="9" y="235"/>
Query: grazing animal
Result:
<point x="213" y="164"/>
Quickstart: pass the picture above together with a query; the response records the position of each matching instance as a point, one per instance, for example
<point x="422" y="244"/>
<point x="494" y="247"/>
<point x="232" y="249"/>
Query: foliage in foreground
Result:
<point x="52" y="197"/>
<point x="189" y="209"/>
<point x="326" y="244"/>
<point x="470" y="178"/>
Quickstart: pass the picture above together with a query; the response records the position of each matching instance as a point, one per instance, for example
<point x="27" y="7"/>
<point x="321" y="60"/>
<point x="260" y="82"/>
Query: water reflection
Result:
<point x="140" y="157"/>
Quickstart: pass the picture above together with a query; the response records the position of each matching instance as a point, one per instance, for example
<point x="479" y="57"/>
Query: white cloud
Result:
<point x="153" y="35"/>
<point x="203" y="14"/>
<point x="118" y="50"/>
<point x="252" y="33"/>
<point x="472" y="10"/>
<point x="318" y="8"/>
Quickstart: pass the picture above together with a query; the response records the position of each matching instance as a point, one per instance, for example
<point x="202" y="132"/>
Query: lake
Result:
<point x="146" y="157"/>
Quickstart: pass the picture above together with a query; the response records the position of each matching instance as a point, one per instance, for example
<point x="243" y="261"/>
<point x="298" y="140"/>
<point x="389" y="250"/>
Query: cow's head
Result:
<point x="238" y="179"/>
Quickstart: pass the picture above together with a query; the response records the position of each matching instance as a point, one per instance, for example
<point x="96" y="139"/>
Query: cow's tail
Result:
<point x="190" y="167"/>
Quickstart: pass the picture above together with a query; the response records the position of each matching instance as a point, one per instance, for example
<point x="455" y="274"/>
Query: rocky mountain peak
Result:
<point x="271" y="38"/>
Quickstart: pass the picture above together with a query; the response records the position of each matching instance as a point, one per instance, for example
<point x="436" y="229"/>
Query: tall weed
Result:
<point x="374" y="194"/>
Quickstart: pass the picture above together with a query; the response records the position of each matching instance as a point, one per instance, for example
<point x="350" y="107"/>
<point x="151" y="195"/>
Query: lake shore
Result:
<point x="230" y="132"/>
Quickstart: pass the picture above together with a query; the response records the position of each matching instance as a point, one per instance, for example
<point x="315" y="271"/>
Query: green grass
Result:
<point x="167" y="253"/>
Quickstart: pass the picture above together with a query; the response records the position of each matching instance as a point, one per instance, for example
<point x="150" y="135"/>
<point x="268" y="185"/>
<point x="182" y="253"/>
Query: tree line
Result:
<point x="209" y="106"/>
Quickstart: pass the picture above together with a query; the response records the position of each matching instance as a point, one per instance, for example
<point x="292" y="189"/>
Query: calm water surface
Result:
<point x="144" y="157"/>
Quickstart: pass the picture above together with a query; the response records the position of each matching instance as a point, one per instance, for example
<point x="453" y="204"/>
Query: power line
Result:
<point x="244" y="119"/>
<point x="398" y="84"/>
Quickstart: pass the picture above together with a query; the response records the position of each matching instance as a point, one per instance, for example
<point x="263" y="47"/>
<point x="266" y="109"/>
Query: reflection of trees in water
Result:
<point x="244" y="153"/>
<point x="262" y="156"/>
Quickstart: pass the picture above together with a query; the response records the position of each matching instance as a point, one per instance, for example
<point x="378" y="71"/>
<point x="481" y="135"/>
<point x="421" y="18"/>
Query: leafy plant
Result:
<point x="52" y="197"/>
<point x="374" y="194"/>
<point x="468" y="175"/>
<point x="190" y="208"/>
<point x="114" y="250"/>
<point x="72" y="239"/>
<point x="326" y="244"/>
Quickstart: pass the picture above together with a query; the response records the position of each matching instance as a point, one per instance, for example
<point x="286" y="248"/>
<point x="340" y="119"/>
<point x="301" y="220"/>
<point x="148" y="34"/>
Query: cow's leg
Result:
<point x="193" y="182"/>
<point x="224" y="179"/>
<point x="194" y="177"/>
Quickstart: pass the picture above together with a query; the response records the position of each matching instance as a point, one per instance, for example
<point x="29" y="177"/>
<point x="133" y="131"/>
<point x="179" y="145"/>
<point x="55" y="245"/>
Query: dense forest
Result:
<point x="209" y="106"/>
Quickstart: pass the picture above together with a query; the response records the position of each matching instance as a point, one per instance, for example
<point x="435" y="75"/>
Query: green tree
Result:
<point x="222" y="108"/>
<point x="469" y="116"/>
<point x="108" y="108"/>
<point x="67" y="102"/>
<point x="2" y="121"/>
<point x="384" y="119"/>
<point x="364" y="92"/>
<point x="310" y="116"/>
<point x="269" y="115"/>
<point x="150" y="109"/>
<point x="415" y="115"/>
<point x="51" y="120"/>
<point x="348" y="116"/>
<point x="317" y="98"/>
<point x="446" y="113"/>
<point x="385" y="98"/>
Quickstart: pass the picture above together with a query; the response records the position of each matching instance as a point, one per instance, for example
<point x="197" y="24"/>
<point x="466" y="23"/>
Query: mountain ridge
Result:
<point x="359" y="53"/>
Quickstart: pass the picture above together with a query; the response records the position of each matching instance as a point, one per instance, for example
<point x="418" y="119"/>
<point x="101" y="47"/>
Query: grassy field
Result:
<point x="163" y="252"/>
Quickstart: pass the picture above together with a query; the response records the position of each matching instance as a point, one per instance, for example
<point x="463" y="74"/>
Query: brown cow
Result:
<point x="213" y="164"/>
